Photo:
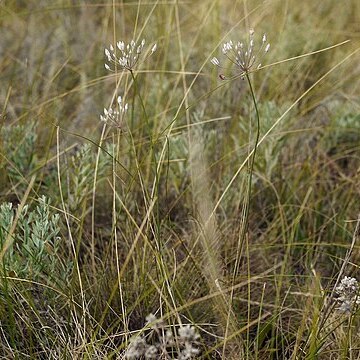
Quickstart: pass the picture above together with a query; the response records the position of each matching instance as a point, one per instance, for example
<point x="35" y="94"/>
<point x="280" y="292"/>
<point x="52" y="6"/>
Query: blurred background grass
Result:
<point x="134" y="235"/>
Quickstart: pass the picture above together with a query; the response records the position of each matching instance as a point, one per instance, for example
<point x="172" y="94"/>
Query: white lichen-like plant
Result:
<point x="348" y="294"/>
<point x="126" y="56"/>
<point x="160" y="342"/>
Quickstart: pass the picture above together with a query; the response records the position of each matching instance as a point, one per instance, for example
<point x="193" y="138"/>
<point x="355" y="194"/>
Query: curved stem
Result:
<point x="245" y="217"/>
<point x="251" y="163"/>
<point x="152" y="145"/>
<point x="141" y="100"/>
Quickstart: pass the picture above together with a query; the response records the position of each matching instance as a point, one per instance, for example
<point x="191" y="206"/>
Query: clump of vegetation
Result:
<point x="34" y="277"/>
<point x="222" y="198"/>
<point x="30" y="242"/>
<point x="19" y="143"/>
<point x="161" y="342"/>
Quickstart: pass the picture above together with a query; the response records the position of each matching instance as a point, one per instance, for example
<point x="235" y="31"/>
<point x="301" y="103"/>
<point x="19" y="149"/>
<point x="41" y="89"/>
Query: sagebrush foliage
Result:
<point x="146" y="207"/>
<point x="34" y="253"/>
<point x="18" y="144"/>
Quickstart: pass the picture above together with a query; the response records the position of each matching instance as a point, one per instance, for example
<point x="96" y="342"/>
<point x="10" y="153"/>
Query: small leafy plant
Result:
<point x="34" y="252"/>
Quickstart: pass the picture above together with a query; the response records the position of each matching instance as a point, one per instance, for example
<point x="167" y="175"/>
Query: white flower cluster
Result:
<point x="244" y="55"/>
<point x="348" y="294"/>
<point x="161" y="343"/>
<point x="113" y="116"/>
<point x="128" y="54"/>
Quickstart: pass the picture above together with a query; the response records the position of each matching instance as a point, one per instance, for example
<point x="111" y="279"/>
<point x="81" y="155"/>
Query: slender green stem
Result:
<point x="245" y="215"/>
<point x="156" y="184"/>
<point x="142" y="104"/>
<point x="251" y="163"/>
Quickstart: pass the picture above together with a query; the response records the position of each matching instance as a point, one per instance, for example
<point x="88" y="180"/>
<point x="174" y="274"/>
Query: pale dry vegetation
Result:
<point x="104" y="224"/>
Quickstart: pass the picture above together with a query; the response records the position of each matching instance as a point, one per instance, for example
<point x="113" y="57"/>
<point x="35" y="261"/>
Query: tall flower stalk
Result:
<point x="246" y="58"/>
<point x="127" y="57"/>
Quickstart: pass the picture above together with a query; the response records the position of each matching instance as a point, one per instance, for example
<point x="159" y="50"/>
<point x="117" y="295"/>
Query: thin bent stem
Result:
<point x="244" y="226"/>
<point x="156" y="181"/>
<point x="245" y="213"/>
<point x="142" y="104"/>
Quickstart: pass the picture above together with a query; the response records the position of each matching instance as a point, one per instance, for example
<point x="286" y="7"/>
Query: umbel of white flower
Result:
<point x="113" y="116"/>
<point x="126" y="56"/>
<point x="244" y="55"/>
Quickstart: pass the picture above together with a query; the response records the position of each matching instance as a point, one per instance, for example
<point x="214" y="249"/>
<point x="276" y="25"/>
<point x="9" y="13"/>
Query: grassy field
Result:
<point x="209" y="212"/>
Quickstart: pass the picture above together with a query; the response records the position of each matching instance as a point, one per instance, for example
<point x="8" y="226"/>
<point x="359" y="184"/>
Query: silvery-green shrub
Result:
<point x="34" y="252"/>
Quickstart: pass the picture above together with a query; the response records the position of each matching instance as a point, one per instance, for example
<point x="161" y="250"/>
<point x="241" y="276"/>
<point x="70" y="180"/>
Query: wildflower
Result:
<point x="348" y="290"/>
<point x="162" y="343"/>
<point x="137" y="348"/>
<point x="244" y="54"/>
<point x="188" y="333"/>
<point x="114" y="116"/>
<point x="109" y="114"/>
<point x="188" y="337"/>
<point x="126" y="56"/>
<point x="122" y="107"/>
<point x="150" y="318"/>
<point x="151" y="352"/>
<point x="189" y="351"/>
<point x="169" y="338"/>
<point x="153" y="322"/>
<point x="215" y="61"/>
